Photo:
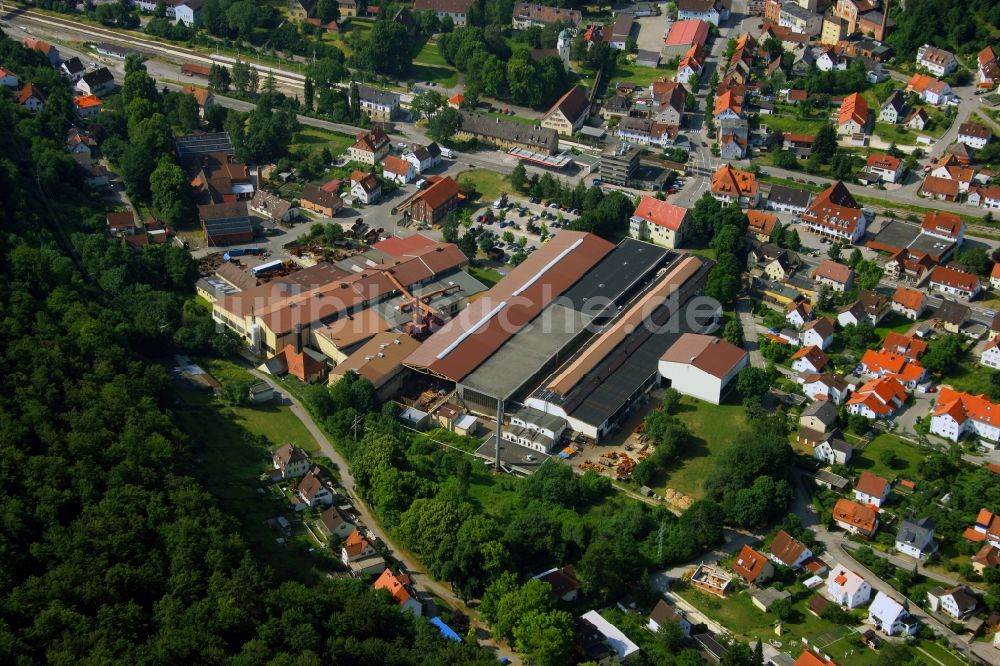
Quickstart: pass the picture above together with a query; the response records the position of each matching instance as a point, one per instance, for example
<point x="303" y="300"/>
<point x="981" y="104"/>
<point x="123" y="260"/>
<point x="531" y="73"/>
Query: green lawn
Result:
<point x="707" y="252"/>
<point x="738" y="614"/>
<point x="790" y="123"/>
<point x="488" y="276"/>
<point x="714" y="428"/>
<point x="515" y="119"/>
<point x="908" y="457"/>
<point x="445" y="77"/>
<point x="642" y="76"/>
<point x="938" y="652"/>
<point x="774" y="180"/>
<point x="970" y="378"/>
<point x="895" y="323"/>
<point x="430" y="55"/>
<point x="489" y="184"/>
<point x="313" y="137"/>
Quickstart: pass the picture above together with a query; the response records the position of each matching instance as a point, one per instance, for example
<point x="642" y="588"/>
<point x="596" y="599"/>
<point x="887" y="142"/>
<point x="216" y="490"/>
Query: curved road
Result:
<point x="417" y="572"/>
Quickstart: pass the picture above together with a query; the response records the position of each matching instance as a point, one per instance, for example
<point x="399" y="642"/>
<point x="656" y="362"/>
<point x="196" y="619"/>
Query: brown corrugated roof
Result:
<point x="439" y="193"/>
<point x="705" y="352"/>
<point x="473" y="336"/>
<point x="572" y="104"/>
<point x="380" y="358"/>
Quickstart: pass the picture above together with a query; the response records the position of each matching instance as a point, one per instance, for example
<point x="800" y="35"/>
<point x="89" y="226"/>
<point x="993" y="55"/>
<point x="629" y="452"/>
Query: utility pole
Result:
<point x="354" y="426"/>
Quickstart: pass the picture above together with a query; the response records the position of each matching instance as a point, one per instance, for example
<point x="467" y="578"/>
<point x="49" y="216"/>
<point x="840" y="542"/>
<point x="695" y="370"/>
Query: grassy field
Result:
<point x="714" y="427"/>
<point x="789" y="123"/>
<point x="642" y="76"/>
<point x="488" y="184"/>
<point x="937" y="653"/>
<point x="515" y="119"/>
<point x="313" y="137"/>
<point x="707" y="252"/>
<point x="908" y="457"/>
<point x="446" y="77"/>
<point x="894" y="323"/>
<point x="970" y="378"/>
<point x="430" y="55"/>
<point x="486" y="275"/>
<point x="774" y="180"/>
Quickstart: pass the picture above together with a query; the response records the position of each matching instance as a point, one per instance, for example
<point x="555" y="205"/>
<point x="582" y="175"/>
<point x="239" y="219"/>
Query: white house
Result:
<point x="789" y="551"/>
<point x="398" y="170"/>
<point x="809" y="360"/>
<point x="957" y="602"/>
<point x="98" y="82"/>
<point x="711" y="11"/>
<point x="847" y="588"/>
<point x="908" y="302"/>
<point x="702" y="366"/>
<point x="380" y="105"/>
<point x="663" y="613"/>
<point x="886" y="167"/>
<point x="916" y="538"/>
<point x="355" y="548"/>
<point x="189" y="12"/>
<point x="833" y="451"/>
<point x="659" y="222"/>
<point x="8" y="79"/>
<point x="423" y="157"/>
<point x="818" y="332"/>
<point x="871" y="489"/>
<point x="826" y="386"/>
<point x="958" y="283"/>
<point x="798" y="313"/>
<point x="890" y="617"/>
<point x="990" y="356"/>
<point x="599" y="628"/>
<point x="879" y="398"/>
<point x="974" y="135"/>
<point x="834" y="275"/>
<point x="892" y="108"/>
<point x="313" y="489"/>
<point x="456" y="10"/>
<point x="936" y="61"/>
<point x="957" y="413"/>
<point x="365" y="187"/>
<point x="290" y="461"/>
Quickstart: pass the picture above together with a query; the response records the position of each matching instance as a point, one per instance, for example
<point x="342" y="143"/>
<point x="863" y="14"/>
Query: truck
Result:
<point x="242" y="252"/>
<point x="448" y="152"/>
<point x="596" y="182"/>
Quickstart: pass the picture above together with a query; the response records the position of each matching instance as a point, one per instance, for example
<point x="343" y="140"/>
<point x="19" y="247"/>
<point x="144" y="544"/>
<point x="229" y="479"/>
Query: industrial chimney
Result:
<point x="298" y="338"/>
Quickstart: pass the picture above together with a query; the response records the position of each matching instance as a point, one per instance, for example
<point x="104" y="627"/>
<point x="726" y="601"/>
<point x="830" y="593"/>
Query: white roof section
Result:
<point x="845" y="578"/>
<point x="618" y="641"/>
<point x="465" y="422"/>
<point x="885" y="609"/>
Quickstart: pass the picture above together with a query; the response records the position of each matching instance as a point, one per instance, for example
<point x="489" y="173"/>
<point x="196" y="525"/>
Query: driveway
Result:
<point x="652" y="30"/>
<point x="744" y="310"/>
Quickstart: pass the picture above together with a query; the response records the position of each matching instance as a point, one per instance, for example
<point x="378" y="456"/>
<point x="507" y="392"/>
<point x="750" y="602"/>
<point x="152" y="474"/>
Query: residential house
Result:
<point x="664" y="613"/>
<point x="752" y="566"/>
<point x="761" y="224"/>
<point x="313" y="490"/>
<point x="95" y="176"/>
<point x="888" y="168"/>
<point x="818" y="415"/>
<point x="799" y="145"/>
<point x="788" y="199"/>
<point x="931" y="90"/>
<point x="527" y="15"/>
<point x="456" y="10"/>
<point x="957" y="413"/>
<point x="871" y="489"/>
<point x="836" y="214"/>
<point x="31" y="97"/>
<point x="202" y="97"/>
<point x="400" y="588"/>
<point x="645" y="132"/>
<point x="79" y="143"/>
<point x="188" y="12"/>
<point x="987" y="557"/>
<point x="943" y="225"/>
<point x="916" y="538"/>
<point x="729" y="185"/>
<point x="907" y="345"/>
<point x="569" y="112"/>
<point x="356" y="548"/>
<point x="834" y="275"/>
<point x="226" y="223"/>
<point x="702" y="366"/>
<point x="832" y="58"/>
<point x="884" y="363"/>
<point x="335" y="523"/>
<point x="854" y="116"/>
<point x="957" y="602"/>
<point x="938" y="62"/>
<point x="121" y="223"/>
<point x="728" y="106"/>
<point x="987" y="197"/>
<point x="733" y="138"/>
<point x="87" y="106"/>
<point x="621" y="31"/>
<point x="847" y="588"/>
<point x="778" y="263"/>
<point x="562" y="581"/>
<point x="370" y="147"/>
<point x="271" y="207"/>
<point x="690" y="65"/>
<point x="974" y="135"/>
<point x="809" y="360"/>
<point x="670" y="98"/>
<point x="878" y="398"/>
<point x="955" y="282"/>
<point x="659" y="222"/>
<point x="432" y="204"/>
<point x="290" y="461"/>
<point x="98" y="82"/>
<point x="789" y="551"/>
<point x="616" y="106"/>
<point x="888" y="616"/>
<point x="73" y="69"/>
<point x="990" y="356"/>
<point x="798" y="313"/>
<point x="349" y="8"/>
<point x="320" y="201"/>
<point x="602" y="642"/>
<point x="423" y="157"/>
<point x="825" y="387"/>
<point x="989" y="67"/>
<point x="46" y="49"/>
<point x="398" y="170"/>
<point x="711" y="11"/>
<point x="861" y="519"/>
<point x="380" y="105"/>
<point x="940" y="189"/>
<point x="8" y="79"/>
<point x="365" y="187"/>
<point x="870" y="308"/>
<point x="916" y="120"/>
<point x="952" y="315"/>
<point x="893" y="109"/>
<point x="833" y="450"/>
<point x="986" y="528"/>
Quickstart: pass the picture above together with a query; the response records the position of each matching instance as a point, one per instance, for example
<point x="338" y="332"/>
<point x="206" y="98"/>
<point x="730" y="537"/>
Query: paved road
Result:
<point x="419" y="575"/>
<point x="744" y="309"/>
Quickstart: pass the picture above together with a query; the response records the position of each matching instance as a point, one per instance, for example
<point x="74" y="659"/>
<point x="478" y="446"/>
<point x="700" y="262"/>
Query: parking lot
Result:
<point x="522" y="218"/>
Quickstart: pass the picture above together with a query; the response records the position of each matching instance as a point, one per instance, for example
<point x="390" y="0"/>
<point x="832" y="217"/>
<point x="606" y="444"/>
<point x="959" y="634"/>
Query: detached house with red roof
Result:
<point x="569" y="112"/>
<point x="879" y="398"/>
<point x="729" y="185"/>
<point x="990" y="356"/>
<point x="702" y="366"/>
<point x="835" y="275"/>
<point x="889" y="169"/>
<point x="31" y="97"/>
<point x="87" y="106"/>
<point x="659" y="222"/>
<point x="360" y="556"/>
<point x="856" y="518"/>
<point x="989" y="68"/>
<point x="818" y="332"/>
<point x="398" y="170"/>
<point x="910" y="303"/>
<point x="943" y="225"/>
<point x="871" y="489"/>
<point x="400" y="588"/>
<point x="957" y="413"/>
<point x="753" y="567"/>
<point x="954" y="282"/>
<point x="985" y="529"/>
<point x="883" y="363"/>
<point x="370" y="147"/>
<point x="789" y="551"/>
<point x="825" y="387"/>
<point x="809" y="359"/>
<point x="845" y="587"/>
<point x="8" y="79"/>
<point x="854" y="116"/>
<point x="836" y="214"/>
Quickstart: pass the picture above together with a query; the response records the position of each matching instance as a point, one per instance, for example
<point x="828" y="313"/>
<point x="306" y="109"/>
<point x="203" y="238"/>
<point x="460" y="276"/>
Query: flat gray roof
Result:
<point x="539" y="418"/>
<point x="470" y="287"/>
<point x="897" y="234"/>
<point x="529" y="350"/>
<point x="935" y="247"/>
<point x="512" y="455"/>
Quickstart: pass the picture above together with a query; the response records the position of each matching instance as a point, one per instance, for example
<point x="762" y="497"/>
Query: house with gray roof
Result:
<point x="916" y="538"/>
<point x="380" y="105"/>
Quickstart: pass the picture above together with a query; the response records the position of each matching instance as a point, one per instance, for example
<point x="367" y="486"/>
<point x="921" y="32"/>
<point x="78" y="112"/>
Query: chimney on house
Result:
<point x="298" y="338"/>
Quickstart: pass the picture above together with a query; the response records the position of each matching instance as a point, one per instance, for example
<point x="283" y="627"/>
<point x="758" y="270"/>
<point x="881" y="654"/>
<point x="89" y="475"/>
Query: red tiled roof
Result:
<point x="396" y="165"/>
<point x="440" y="192"/>
<point x="750" y="564"/>
<point x="398" y="247"/>
<point x="786" y="548"/>
<point x="885" y="162"/>
<point x="954" y="278"/>
<point x="937" y="185"/>
<point x="961" y="406"/>
<point x="908" y="298"/>
<point x="693" y="31"/>
<point x="872" y="484"/>
<point x="761" y="222"/>
<point x="731" y="182"/>
<point x="661" y="213"/>
<point x="86" y="101"/>
<point x="854" y="108"/>
<point x="862" y="516"/>
<point x="831" y="270"/>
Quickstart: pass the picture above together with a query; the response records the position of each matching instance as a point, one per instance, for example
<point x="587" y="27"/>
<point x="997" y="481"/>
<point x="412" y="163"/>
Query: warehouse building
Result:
<point x="571" y="312"/>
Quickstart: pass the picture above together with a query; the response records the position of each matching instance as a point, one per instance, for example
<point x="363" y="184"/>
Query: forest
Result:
<point x="110" y="551"/>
